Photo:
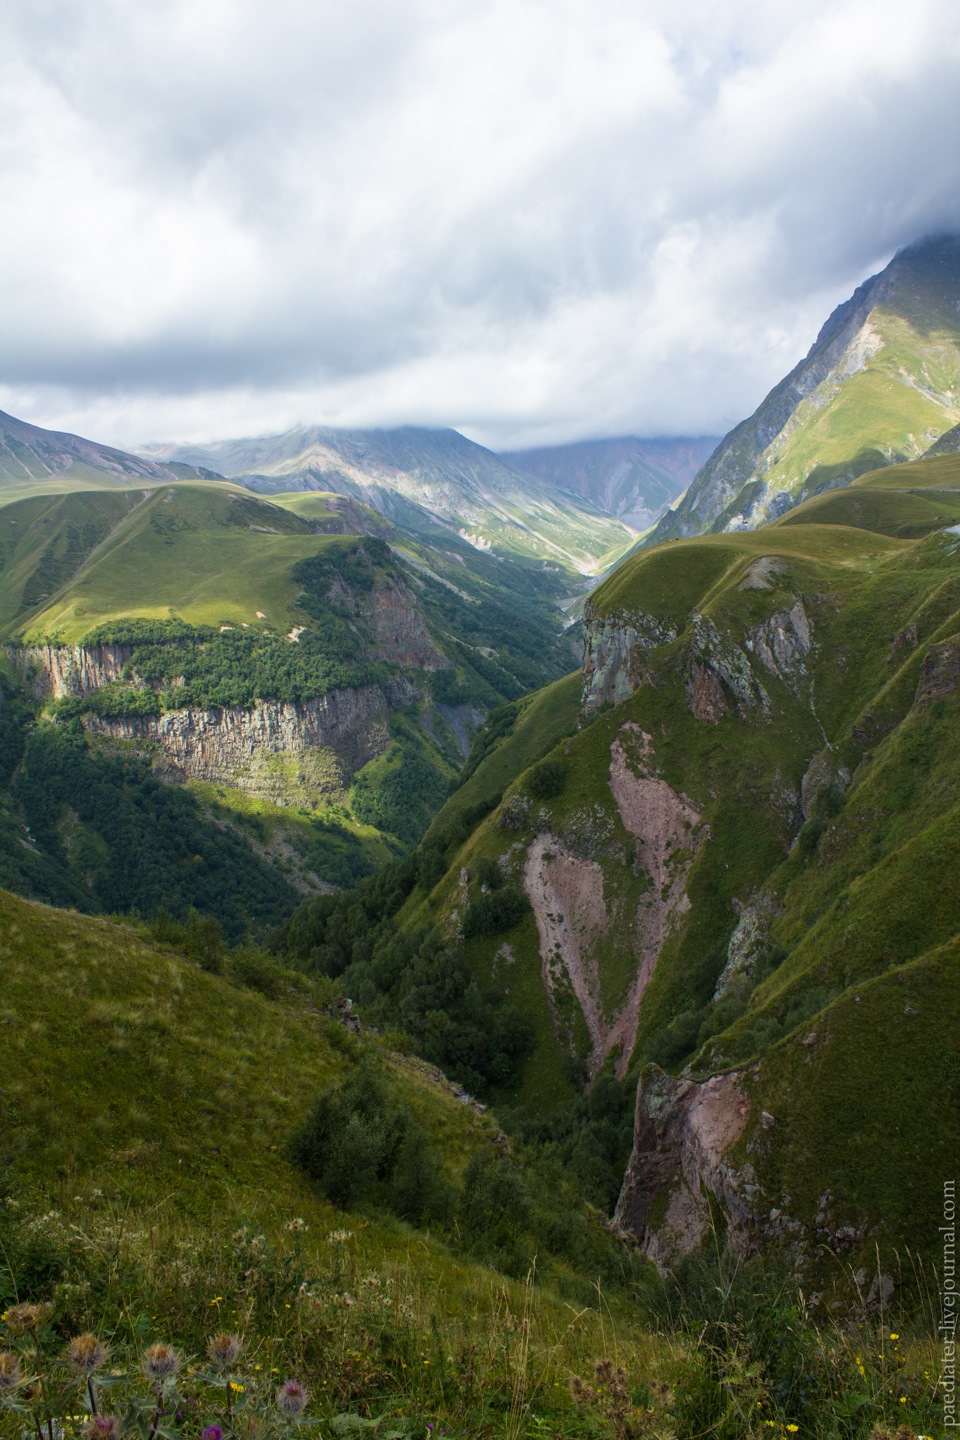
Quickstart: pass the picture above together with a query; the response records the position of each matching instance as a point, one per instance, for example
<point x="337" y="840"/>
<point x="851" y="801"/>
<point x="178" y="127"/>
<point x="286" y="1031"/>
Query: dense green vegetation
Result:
<point x="413" y="980"/>
<point x="378" y="1319"/>
<point x="111" y="837"/>
<point x="814" y="633"/>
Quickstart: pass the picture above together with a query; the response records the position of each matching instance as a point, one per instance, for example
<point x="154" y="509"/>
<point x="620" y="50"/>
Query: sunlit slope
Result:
<point x="204" y="553"/>
<point x="880" y="385"/>
<point x="907" y="501"/>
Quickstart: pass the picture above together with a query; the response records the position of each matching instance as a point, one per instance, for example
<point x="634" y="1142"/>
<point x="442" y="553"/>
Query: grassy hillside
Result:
<point x="149" y="1196"/>
<point x="750" y="848"/>
<point x="222" y="599"/>
<point x="152" y="1105"/>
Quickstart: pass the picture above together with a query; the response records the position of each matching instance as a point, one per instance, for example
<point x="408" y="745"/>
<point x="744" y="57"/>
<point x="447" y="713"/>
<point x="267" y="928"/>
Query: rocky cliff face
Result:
<point x="613" y="646"/>
<point x="280" y="752"/>
<point x="55" y="671"/>
<point x="579" y="915"/>
<point x="683" y="1133"/>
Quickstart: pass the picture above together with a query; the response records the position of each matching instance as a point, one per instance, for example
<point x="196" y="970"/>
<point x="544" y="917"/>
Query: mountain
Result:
<point x="32" y="458"/>
<point x="632" y="478"/>
<point x="306" y="677"/>
<point x="880" y="384"/>
<point x="419" y="478"/>
<point x="711" y="871"/>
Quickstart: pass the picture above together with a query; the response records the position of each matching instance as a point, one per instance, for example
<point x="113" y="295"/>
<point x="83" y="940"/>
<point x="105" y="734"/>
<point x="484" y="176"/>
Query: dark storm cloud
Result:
<point x="530" y="220"/>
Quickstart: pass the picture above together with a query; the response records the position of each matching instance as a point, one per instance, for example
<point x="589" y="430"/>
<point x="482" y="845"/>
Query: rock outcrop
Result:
<point x="281" y="752"/>
<point x="683" y="1133"/>
<point x="612" y="649"/>
<point x="56" y="671"/>
<point x="576" y="920"/>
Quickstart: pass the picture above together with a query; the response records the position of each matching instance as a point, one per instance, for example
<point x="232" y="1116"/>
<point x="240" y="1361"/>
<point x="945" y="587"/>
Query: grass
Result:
<point x="149" y="1198"/>
<point x="200" y="553"/>
<point x="148" y="1106"/>
<point x="859" y="902"/>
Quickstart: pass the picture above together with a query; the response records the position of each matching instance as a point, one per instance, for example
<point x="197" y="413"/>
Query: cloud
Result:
<point x="529" y="219"/>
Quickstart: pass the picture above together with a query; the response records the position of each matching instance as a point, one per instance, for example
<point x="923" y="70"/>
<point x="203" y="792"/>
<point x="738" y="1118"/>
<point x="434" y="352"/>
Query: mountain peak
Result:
<point x="880" y="384"/>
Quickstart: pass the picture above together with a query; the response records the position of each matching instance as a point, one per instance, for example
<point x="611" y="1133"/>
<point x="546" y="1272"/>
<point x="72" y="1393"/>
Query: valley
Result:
<point x="485" y="934"/>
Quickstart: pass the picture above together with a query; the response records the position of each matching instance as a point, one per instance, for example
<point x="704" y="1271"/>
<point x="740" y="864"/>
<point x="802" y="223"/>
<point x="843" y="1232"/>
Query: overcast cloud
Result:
<point x="534" y="220"/>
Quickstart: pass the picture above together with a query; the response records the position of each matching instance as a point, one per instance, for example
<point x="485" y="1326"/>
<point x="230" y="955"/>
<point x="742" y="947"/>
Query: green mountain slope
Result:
<point x="735" y="863"/>
<point x="879" y="385"/>
<point x="314" y="691"/>
<point x="149" y="1187"/>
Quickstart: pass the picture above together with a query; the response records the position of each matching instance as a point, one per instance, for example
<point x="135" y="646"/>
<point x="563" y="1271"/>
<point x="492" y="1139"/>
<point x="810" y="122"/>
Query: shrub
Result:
<point x="546" y="780"/>
<point x="358" y="1142"/>
<point x="496" y="913"/>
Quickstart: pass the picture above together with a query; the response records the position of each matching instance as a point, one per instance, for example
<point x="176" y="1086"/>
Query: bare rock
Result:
<point x="682" y="1133"/>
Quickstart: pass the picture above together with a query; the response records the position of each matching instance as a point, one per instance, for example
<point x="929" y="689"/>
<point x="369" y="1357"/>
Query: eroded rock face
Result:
<point x="823" y="773"/>
<point x="76" y="670"/>
<point x="281" y="752"/>
<point x="399" y="629"/>
<point x="941" y="672"/>
<point x="782" y="644"/>
<point x="683" y="1132"/>
<point x="576" y="920"/>
<point x="613" y="647"/>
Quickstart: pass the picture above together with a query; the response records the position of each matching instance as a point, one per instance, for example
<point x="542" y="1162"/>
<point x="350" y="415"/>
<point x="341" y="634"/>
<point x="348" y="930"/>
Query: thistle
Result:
<point x="160" y="1362"/>
<point x="10" y="1373"/>
<point x="102" y="1427"/>
<point x="86" y="1354"/>
<point x="292" y="1399"/>
<point x="224" y="1351"/>
<point x="26" y="1319"/>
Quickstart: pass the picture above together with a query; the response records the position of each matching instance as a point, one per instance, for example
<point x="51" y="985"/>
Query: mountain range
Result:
<point x="632" y="478"/>
<point x="300" y="718"/>
<point x="423" y="478"/>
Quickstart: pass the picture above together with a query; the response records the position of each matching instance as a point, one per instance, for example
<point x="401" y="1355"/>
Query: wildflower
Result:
<point x="10" y="1375"/>
<point x="297" y="1225"/>
<point x="24" y="1319"/>
<point x="87" y="1353"/>
<point x="160" y="1362"/>
<point x="212" y="1432"/>
<point x="793" y="1429"/>
<point x="224" y="1350"/>
<point x="291" y="1398"/>
<point x="102" y="1427"/>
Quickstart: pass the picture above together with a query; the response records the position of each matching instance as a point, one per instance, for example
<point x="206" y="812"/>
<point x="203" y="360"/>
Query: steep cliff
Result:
<point x="732" y="865"/>
<point x="680" y="1166"/>
<point x="287" y="754"/>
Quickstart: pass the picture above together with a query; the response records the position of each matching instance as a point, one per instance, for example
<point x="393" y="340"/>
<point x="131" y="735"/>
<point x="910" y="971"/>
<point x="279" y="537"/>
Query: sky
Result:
<point x="533" y="220"/>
